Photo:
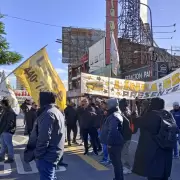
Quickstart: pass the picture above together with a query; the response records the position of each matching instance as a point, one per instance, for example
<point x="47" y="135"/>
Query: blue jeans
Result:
<point x="46" y="170"/>
<point x="7" y="144"/>
<point x="105" y="152"/>
<point x="176" y="149"/>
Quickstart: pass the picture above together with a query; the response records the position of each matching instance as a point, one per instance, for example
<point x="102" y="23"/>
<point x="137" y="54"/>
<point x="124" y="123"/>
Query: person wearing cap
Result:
<point x="176" y="114"/>
<point x="112" y="135"/>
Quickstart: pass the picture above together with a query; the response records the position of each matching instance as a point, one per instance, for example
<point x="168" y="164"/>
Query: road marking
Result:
<point x="87" y="159"/>
<point x="134" y="141"/>
<point x="25" y="139"/>
<point x="7" y="169"/>
<point x="20" y="168"/>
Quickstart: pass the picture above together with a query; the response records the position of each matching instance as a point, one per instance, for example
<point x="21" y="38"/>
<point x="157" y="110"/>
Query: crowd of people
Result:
<point x="105" y="125"/>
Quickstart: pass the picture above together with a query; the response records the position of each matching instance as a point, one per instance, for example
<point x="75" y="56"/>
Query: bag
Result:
<point x="29" y="150"/>
<point x="167" y="136"/>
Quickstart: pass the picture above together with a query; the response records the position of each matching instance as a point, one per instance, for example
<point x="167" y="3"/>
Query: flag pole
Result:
<point x="23" y="63"/>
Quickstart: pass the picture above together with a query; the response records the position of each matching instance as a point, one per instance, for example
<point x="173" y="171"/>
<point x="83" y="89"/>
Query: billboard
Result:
<point x="97" y="55"/>
<point x="76" y="41"/>
<point x="111" y="25"/>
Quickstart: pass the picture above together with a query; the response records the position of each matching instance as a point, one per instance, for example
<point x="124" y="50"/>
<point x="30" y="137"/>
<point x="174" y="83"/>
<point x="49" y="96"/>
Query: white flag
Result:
<point x="114" y="55"/>
<point x="6" y="91"/>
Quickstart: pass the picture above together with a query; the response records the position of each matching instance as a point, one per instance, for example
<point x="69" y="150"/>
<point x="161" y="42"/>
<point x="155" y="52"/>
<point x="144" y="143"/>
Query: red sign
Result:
<point x="111" y="25"/>
<point x="21" y="93"/>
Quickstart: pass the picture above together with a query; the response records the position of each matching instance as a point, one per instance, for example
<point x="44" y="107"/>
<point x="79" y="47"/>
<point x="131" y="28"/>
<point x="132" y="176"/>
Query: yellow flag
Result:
<point x="37" y="74"/>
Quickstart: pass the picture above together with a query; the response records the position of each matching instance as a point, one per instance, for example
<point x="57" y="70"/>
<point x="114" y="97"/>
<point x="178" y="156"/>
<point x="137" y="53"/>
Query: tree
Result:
<point x="7" y="57"/>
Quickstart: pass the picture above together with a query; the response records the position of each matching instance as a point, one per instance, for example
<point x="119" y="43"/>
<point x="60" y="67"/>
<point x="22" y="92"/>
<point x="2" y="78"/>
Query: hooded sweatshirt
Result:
<point x="49" y="129"/>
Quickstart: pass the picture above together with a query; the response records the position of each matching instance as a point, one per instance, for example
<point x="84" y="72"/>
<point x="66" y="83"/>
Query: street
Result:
<point x="80" y="166"/>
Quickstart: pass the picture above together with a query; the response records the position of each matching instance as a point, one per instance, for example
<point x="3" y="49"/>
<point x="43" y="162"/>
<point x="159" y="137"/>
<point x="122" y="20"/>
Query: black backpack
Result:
<point x="167" y="136"/>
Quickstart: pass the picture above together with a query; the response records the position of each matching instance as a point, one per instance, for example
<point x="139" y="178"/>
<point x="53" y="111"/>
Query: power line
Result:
<point x="32" y="21"/>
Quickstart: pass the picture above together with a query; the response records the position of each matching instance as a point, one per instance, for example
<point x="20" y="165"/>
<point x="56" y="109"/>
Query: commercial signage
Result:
<point x="163" y="69"/>
<point x="111" y="25"/>
<point x="140" y="74"/>
<point x="97" y="55"/>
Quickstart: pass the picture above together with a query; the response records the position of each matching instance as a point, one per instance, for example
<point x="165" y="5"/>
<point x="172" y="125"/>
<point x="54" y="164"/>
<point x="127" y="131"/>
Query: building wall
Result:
<point x="19" y="86"/>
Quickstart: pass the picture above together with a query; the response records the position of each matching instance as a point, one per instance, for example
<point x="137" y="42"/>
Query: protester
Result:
<point x="25" y="107"/>
<point x="127" y="134"/>
<point x="105" y="160"/>
<point x="97" y="122"/>
<point x="31" y="117"/>
<point x="88" y="113"/>
<point x="112" y="135"/>
<point x="71" y="122"/>
<point x="47" y="137"/>
<point x="7" y="129"/>
<point x="153" y="158"/>
<point x="176" y="114"/>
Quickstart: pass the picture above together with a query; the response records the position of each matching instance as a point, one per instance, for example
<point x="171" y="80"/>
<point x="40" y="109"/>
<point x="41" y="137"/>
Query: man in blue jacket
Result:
<point x="176" y="114"/>
<point x="112" y="136"/>
<point x="48" y="136"/>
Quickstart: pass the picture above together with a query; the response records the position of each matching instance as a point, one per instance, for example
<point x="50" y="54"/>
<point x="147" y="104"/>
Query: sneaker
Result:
<point x="75" y="142"/>
<point x="69" y="144"/>
<point x="86" y="153"/>
<point x="105" y="162"/>
<point x="126" y="171"/>
<point x="9" y="161"/>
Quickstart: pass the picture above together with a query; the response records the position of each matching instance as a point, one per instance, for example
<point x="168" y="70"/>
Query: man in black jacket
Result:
<point x="31" y="117"/>
<point x="8" y="127"/>
<point x="71" y="122"/>
<point x="88" y="114"/>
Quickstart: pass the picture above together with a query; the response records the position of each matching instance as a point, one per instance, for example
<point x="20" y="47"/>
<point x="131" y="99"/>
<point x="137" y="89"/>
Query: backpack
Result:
<point x="167" y="136"/>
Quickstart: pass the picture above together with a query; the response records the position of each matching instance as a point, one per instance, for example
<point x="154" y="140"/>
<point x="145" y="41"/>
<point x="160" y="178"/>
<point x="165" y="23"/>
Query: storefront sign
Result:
<point x="163" y="69"/>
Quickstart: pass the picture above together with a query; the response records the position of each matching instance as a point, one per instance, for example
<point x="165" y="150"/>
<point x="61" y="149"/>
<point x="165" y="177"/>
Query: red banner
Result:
<point x="111" y="25"/>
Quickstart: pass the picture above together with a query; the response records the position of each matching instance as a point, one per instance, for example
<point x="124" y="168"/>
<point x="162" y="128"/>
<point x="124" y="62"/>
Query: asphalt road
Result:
<point x="80" y="166"/>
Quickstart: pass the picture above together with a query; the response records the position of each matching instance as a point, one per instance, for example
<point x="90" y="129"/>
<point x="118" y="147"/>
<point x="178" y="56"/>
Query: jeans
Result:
<point x="105" y="152"/>
<point x="6" y="143"/>
<point x="125" y="155"/>
<point x="176" y="148"/>
<point x="115" y="157"/>
<point x="46" y="170"/>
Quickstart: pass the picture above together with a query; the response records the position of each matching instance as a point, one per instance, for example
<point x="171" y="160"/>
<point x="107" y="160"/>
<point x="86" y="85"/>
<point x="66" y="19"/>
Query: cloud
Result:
<point x="60" y="51"/>
<point x="61" y="70"/>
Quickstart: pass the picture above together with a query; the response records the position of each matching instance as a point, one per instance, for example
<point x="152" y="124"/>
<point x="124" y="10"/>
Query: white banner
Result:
<point x="129" y="89"/>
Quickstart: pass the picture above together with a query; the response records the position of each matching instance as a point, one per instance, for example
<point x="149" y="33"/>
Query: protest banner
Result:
<point x="37" y="74"/>
<point x="129" y="89"/>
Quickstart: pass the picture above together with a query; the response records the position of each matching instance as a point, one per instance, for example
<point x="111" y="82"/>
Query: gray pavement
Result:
<point x="80" y="167"/>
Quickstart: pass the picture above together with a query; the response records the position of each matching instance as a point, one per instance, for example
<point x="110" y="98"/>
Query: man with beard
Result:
<point x="71" y="122"/>
<point x="47" y="138"/>
<point x="112" y="135"/>
<point x="88" y="114"/>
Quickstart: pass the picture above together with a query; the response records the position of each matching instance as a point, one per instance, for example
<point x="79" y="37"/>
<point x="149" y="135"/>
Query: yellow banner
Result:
<point x="37" y="74"/>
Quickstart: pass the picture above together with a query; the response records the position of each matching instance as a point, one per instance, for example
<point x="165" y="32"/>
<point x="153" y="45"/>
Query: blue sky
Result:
<point x="27" y="38"/>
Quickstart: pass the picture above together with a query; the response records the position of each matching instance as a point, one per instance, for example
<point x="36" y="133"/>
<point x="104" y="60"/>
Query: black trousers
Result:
<point x="115" y="156"/>
<point x="72" y="128"/>
<point x="165" y="178"/>
<point x="91" y="133"/>
<point x="98" y="144"/>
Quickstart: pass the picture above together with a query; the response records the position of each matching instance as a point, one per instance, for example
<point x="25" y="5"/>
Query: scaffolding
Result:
<point x="76" y="41"/>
